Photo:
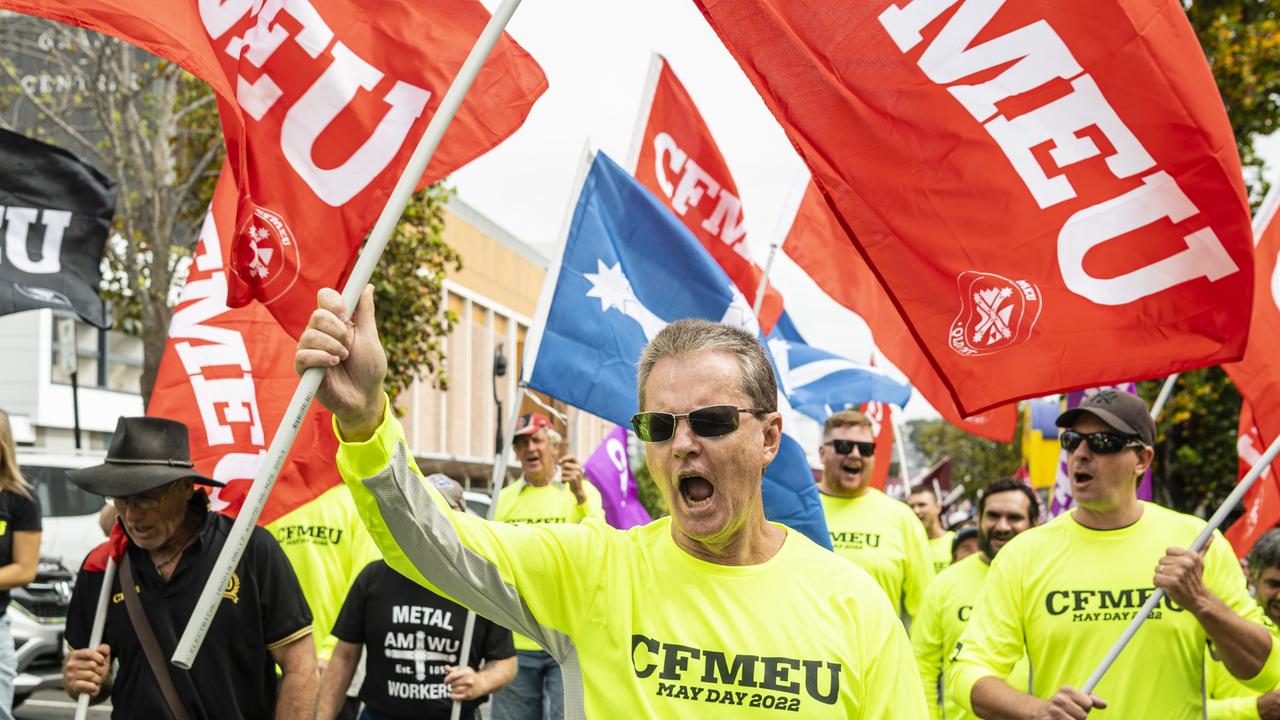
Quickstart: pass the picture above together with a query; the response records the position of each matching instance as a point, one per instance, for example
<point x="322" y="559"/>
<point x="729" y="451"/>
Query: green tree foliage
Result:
<point x="407" y="293"/>
<point x="649" y="494"/>
<point x="1195" y="463"/>
<point x="975" y="461"/>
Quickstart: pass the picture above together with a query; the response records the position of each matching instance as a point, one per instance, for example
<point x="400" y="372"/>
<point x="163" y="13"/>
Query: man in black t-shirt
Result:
<point x="413" y="638"/>
<point x="168" y="540"/>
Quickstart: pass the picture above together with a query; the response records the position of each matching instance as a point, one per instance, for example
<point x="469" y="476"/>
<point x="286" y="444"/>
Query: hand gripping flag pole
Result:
<point x="1201" y="540"/>
<point x="95" y="633"/>
<point x="207" y="604"/>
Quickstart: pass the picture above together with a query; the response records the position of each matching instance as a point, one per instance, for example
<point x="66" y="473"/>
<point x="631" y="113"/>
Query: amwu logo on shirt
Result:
<point x="683" y="672"/>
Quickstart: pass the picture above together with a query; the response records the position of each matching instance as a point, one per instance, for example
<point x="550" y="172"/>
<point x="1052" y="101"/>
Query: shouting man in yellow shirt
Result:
<point x="711" y="612"/>
<point x="1062" y="593"/>
<point x="881" y="535"/>
<point x="550" y="491"/>
<point x="1005" y="509"/>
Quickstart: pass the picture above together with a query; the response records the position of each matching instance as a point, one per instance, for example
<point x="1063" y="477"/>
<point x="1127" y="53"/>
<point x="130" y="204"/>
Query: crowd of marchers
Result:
<point x="358" y="603"/>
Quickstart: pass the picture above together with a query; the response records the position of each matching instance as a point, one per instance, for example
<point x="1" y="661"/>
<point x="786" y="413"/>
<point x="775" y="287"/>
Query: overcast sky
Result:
<point x="596" y="56"/>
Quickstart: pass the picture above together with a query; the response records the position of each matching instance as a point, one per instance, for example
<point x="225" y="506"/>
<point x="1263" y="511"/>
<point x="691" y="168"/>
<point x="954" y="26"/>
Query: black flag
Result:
<point x="55" y="214"/>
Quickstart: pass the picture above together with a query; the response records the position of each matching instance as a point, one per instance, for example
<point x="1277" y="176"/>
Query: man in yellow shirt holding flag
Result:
<point x="551" y="490"/>
<point x="1006" y="508"/>
<point x="711" y="612"/>
<point x="879" y="534"/>
<point x="1062" y="594"/>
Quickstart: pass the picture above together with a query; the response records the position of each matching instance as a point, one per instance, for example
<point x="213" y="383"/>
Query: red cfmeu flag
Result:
<point x="228" y="375"/>
<point x="881" y="417"/>
<point x="820" y="247"/>
<point x="680" y="162"/>
<point x="322" y="103"/>
<point x="1052" y="197"/>
<point x="1257" y="375"/>
<point x="1262" y="502"/>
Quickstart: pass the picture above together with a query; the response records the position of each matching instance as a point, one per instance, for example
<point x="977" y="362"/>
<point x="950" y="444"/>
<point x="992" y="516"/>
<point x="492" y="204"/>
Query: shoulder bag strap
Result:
<point x="147" y="638"/>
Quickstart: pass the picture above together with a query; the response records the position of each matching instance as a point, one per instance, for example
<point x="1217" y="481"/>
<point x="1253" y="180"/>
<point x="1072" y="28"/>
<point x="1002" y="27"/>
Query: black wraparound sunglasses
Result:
<point x="845" y="447"/>
<point x="709" y="422"/>
<point x="1102" y="443"/>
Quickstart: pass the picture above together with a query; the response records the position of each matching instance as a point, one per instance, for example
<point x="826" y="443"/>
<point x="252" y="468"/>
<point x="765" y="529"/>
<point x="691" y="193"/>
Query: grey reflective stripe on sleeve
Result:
<point x="429" y="540"/>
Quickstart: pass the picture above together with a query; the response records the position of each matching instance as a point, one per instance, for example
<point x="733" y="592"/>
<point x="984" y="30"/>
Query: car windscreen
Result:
<point x="58" y="496"/>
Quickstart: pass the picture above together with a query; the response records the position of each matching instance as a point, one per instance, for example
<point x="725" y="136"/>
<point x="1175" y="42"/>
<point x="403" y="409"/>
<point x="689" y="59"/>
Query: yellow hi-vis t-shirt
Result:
<point x="663" y="635"/>
<point x="884" y="538"/>
<point x="1063" y="593"/>
<point x="327" y="546"/>
<point x="940" y="550"/>
<point x="552" y="503"/>
<point x="1229" y="699"/>
<point x="944" y="613"/>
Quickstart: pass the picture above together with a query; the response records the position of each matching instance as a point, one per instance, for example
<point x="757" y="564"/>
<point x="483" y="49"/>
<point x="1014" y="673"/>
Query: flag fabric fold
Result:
<point x="628" y="268"/>
<point x="1262" y="502"/>
<point x="1052" y="199"/>
<point x="1257" y="375"/>
<point x="227" y="373"/>
<point x="322" y="102"/>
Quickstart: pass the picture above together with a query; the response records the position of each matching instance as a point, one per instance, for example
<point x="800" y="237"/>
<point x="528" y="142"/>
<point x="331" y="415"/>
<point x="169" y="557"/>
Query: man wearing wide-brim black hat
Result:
<point x="171" y="540"/>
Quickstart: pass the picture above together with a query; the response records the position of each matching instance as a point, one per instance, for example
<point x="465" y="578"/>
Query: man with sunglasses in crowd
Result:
<point x="1062" y="594"/>
<point x="881" y="535"/>
<point x="1006" y="508"/>
<point x="552" y="489"/>
<point x="710" y="612"/>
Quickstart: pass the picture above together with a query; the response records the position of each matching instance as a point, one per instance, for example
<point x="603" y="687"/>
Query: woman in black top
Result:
<point x="19" y="552"/>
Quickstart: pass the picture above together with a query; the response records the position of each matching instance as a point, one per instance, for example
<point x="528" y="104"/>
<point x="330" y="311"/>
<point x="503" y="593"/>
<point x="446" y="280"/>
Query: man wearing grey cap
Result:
<point x="1062" y="593"/>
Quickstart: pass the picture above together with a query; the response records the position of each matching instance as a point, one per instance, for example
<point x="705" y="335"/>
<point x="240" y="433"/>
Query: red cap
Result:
<point x="531" y="423"/>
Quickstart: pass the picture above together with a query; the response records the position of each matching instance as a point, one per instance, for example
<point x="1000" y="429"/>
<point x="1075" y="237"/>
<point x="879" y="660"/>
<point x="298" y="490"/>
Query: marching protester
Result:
<point x="551" y="490"/>
<point x="1063" y="592"/>
<point x="19" y="552"/>
<point x="1229" y="699"/>
<point x="924" y="502"/>
<point x="1005" y="509"/>
<point x="327" y="546"/>
<point x="964" y="544"/>
<point x="171" y="542"/>
<point x="412" y="638"/>
<point x="675" y="619"/>
<point x="881" y="535"/>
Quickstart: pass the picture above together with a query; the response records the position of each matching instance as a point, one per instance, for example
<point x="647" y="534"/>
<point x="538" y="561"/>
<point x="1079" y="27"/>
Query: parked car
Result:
<point x="38" y="612"/>
<point x="477" y="503"/>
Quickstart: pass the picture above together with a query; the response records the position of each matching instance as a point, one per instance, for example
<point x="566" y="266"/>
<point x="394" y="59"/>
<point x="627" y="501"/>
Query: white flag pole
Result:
<point x="764" y="280"/>
<point x="646" y="108"/>
<point x="900" y="440"/>
<point x="1166" y="391"/>
<point x="95" y="633"/>
<point x="210" y="597"/>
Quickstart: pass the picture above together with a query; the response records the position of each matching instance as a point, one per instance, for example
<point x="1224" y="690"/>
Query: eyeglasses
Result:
<point x="845" y="447"/>
<point x="1102" y="443"/>
<point x="708" y="422"/>
<point x="144" y="502"/>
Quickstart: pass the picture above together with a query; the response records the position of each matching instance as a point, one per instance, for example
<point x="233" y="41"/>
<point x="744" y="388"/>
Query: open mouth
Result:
<point x="697" y="491"/>
<point x="1081" y="477"/>
<point x="852" y="468"/>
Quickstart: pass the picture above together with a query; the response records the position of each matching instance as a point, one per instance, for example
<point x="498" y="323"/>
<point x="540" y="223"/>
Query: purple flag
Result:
<point x="1062" y="500"/>
<point x="610" y="471"/>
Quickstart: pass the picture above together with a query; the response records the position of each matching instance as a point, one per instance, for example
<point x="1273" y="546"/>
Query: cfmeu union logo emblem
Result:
<point x="995" y="312"/>
<point x="267" y="255"/>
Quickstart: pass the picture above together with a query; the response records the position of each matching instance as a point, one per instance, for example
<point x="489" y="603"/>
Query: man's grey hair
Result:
<point x="686" y="337"/>
<point x="1265" y="553"/>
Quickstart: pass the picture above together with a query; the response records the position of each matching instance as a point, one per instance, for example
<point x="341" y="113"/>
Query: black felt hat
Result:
<point x="145" y="453"/>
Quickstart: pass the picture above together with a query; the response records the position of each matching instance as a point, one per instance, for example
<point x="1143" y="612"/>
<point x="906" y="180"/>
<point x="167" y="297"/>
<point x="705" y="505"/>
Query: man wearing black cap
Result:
<point x="1062" y="594"/>
<point x="170" y="542"/>
<point x="551" y="490"/>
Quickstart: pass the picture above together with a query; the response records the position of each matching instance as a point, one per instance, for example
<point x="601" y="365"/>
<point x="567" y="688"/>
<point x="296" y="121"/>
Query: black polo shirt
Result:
<point x="409" y="634"/>
<point x="233" y="676"/>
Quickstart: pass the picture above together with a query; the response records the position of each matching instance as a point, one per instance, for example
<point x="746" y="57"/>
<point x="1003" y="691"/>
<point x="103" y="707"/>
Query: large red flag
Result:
<point x="322" y="103"/>
<point x="1051" y="196"/>
<point x="818" y="245"/>
<point x="1262" y="502"/>
<point x="680" y="162"/>
<point x="228" y="374"/>
<point x="1257" y="375"/>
